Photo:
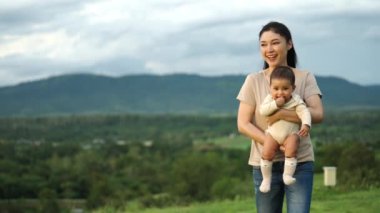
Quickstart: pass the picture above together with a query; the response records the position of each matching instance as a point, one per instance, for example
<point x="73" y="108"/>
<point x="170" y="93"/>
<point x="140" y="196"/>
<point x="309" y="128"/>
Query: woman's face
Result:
<point x="274" y="49"/>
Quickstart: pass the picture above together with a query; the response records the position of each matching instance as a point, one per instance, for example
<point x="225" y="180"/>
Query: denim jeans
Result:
<point x="298" y="195"/>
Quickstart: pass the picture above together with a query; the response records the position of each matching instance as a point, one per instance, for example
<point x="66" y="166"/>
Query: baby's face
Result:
<point x="281" y="88"/>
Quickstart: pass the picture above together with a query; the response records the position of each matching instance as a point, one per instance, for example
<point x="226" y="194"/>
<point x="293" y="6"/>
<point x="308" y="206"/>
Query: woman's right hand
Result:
<point x="283" y="114"/>
<point x="274" y="117"/>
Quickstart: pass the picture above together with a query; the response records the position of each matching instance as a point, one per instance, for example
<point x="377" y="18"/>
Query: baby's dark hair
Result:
<point x="283" y="72"/>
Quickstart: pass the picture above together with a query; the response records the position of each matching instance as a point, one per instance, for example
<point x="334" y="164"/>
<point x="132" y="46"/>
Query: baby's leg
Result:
<point x="269" y="150"/>
<point x="291" y="145"/>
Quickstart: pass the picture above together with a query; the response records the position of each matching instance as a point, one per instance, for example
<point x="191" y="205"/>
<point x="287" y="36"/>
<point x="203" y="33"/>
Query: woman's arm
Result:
<point x="314" y="104"/>
<point x="244" y="122"/>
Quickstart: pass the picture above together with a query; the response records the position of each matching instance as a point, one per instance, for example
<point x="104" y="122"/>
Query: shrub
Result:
<point x="357" y="167"/>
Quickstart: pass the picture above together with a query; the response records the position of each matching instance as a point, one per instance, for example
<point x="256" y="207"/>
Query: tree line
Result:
<point x="114" y="159"/>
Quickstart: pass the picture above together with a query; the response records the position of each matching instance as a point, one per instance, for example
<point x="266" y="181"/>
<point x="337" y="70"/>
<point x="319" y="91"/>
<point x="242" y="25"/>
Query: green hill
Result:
<point x="180" y="93"/>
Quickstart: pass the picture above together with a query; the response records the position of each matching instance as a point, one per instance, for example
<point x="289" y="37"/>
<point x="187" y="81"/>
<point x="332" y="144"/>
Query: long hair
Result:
<point x="282" y="30"/>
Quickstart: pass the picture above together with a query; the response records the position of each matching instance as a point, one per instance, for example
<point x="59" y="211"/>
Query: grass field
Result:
<point x="324" y="200"/>
<point x="230" y="142"/>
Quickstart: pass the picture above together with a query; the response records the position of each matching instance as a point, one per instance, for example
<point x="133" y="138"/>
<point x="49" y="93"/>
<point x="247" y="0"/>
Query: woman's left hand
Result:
<point x="274" y="117"/>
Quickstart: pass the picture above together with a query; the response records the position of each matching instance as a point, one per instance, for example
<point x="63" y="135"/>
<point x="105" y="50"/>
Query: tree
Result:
<point x="48" y="201"/>
<point x="194" y="175"/>
<point x="358" y="167"/>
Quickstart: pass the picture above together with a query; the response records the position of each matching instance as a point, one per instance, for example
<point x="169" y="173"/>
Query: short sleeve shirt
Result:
<point x="253" y="92"/>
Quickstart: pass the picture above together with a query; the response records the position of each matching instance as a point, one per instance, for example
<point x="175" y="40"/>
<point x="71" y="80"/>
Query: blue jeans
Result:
<point x="298" y="195"/>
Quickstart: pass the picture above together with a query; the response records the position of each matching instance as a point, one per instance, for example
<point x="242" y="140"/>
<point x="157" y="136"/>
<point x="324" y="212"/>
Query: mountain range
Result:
<point x="177" y="93"/>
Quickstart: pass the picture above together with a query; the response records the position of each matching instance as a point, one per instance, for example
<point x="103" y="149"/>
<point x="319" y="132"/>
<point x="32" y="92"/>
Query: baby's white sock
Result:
<point x="266" y="170"/>
<point x="289" y="169"/>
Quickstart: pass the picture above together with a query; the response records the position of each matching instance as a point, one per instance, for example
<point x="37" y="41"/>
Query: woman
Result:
<point x="277" y="49"/>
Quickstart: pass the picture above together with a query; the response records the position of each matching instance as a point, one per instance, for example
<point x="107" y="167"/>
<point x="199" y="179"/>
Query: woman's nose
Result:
<point x="270" y="48"/>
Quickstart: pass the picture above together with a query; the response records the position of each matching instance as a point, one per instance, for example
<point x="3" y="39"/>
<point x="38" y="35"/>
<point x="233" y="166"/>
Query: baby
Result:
<point x="282" y="85"/>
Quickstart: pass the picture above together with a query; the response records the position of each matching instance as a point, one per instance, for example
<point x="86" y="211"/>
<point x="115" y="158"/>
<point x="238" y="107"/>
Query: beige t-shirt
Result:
<point x="254" y="91"/>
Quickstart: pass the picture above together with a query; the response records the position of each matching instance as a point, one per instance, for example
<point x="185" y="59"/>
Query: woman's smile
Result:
<point x="274" y="48"/>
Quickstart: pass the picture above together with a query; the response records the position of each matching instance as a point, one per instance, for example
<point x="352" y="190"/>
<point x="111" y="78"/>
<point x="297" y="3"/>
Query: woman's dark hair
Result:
<point x="282" y="30"/>
<point x="283" y="72"/>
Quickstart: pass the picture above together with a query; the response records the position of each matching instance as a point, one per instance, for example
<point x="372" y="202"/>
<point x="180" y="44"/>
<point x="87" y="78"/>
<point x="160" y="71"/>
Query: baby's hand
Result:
<point x="304" y="131"/>
<point x="280" y="101"/>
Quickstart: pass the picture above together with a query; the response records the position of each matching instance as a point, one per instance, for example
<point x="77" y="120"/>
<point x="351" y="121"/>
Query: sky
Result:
<point x="40" y="39"/>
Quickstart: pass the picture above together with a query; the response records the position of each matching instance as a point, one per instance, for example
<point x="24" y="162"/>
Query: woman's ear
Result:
<point x="290" y="44"/>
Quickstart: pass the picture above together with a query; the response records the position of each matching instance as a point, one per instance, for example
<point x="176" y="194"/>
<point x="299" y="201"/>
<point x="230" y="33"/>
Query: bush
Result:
<point x="194" y="175"/>
<point x="160" y="200"/>
<point x="358" y="167"/>
<point x="328" y="155"/>
<point x="48" y="201"/>
<point x="230" y="188"/>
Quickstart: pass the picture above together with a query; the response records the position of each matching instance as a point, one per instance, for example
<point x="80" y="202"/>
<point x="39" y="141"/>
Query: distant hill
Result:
<point x="341" y="93"/>
<point x="180" y="93"/>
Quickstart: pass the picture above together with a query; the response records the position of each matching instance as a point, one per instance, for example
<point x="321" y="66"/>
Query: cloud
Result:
<point x="210" y="37"/>
<point x="30" y="68"/>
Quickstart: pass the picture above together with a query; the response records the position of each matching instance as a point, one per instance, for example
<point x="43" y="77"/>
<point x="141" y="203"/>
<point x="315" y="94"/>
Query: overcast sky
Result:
<point x="39" y="39"/>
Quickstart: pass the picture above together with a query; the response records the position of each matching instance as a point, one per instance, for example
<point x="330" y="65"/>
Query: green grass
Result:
<point x="229" y="142"/>
<point x="244" y="205"/>
<point x="358" y="201"/>
<point x="324" y="200"/>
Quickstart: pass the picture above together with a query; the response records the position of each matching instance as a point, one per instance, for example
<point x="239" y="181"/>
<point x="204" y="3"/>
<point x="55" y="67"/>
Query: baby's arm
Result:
<point x="268" y="107"/>
<point x="304" y="114"/>
<point x="304" y="131"/>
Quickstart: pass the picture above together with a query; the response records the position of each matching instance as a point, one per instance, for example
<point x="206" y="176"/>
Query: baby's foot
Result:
<point x="265" y="186"/>
<point x="288" y="180"/>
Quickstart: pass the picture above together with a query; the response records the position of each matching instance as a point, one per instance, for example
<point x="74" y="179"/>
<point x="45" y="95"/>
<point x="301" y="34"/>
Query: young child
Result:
<point x="282" y="85"/>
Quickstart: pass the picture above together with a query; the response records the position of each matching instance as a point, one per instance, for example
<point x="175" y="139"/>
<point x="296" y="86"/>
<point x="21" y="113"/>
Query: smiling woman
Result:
<point x="277" y="49"/>
<point x="275" y="46"/>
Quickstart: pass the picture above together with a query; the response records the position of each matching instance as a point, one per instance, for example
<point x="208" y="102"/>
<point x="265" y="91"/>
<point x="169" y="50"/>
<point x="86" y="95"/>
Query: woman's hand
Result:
<point x="314" y="104"/>
<point x="283" y="114"/>
<point x="273" y="118"/>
